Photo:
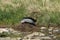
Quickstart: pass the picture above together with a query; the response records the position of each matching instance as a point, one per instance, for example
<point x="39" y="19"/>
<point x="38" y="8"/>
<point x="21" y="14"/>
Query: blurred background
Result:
<point x="46" y="12"/>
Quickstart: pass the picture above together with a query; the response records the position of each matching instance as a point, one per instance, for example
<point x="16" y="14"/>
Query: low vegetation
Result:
<point x="46" y="12"/>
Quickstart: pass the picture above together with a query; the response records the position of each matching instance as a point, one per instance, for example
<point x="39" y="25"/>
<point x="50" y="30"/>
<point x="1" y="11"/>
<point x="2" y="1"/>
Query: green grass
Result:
<point x="46" y="12"/>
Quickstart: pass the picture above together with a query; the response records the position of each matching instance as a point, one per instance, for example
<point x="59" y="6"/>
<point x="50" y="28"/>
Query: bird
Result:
<point x="27" y="24"/>
<point x="28" y="20"/>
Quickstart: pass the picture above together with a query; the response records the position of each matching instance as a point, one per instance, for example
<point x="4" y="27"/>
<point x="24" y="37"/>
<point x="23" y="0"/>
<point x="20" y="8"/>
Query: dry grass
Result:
<point x="44" y="11"/>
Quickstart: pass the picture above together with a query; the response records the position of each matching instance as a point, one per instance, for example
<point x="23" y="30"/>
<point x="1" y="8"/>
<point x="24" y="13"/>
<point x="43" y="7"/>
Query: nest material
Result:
<point x="25" y="27"/>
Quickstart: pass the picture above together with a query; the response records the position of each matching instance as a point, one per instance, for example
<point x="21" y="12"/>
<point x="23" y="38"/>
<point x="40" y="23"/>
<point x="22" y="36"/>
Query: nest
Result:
<point x="25" y="27"/>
